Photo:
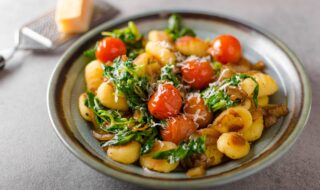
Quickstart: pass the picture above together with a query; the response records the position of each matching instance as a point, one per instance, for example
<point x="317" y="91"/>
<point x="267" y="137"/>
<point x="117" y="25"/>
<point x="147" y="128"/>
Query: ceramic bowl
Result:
<point x="67" y="83"/>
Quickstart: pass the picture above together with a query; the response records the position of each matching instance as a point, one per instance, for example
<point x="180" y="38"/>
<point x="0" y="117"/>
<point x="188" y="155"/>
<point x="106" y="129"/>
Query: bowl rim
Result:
<point x="80" y="152"/>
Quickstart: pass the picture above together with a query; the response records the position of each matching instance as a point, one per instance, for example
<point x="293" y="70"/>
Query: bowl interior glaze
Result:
<point x="67" y="83"/>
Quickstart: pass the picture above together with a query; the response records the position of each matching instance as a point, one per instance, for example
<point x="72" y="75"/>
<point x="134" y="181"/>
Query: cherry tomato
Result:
<point x="196" y="110"/>
<point x="165" y="102"/>
<point x="178" y="128"/>
<point x="110" y="48"/>
<point x="226" y="49"/>
<point x="198" y="74"/>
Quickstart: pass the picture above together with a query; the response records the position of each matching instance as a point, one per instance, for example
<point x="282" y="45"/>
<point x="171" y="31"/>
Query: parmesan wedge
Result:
<point x="74" y="16"/>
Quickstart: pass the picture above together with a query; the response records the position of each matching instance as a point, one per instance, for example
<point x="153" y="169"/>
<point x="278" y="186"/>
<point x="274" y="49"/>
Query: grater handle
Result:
<point x="6" y="55"/>
<point x="2" y="62"/>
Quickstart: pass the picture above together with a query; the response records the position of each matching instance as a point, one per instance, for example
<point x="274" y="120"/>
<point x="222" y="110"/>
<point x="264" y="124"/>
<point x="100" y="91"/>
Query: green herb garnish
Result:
<point x="126" y="135"/>
<point x="176" y="29"/>
<point x="184" y="150"/>
<point x="167" y="74"/>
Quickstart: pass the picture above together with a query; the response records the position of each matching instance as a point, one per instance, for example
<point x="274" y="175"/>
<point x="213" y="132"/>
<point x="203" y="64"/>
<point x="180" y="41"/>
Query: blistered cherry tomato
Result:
<point x="197" y="73"/>
<point x="110" y="48"/>
<point x="226" y="49"/>
<point x="165" y="102"/>
<point x="178" y="129"/>
<point x="196" y="110"/>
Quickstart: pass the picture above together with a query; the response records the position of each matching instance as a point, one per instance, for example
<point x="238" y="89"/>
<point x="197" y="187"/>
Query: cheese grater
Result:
<point x="42" y="34"/>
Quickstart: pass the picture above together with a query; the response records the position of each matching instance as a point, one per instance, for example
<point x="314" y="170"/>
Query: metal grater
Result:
<point x="42" y="34"/>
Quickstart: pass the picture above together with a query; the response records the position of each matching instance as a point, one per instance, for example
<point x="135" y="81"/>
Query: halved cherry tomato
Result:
<point x="165" y="102"/>
<point x="196" y="110"/>
<point x="178" y="128"/>
<point x="197" y="73"/>
<point x="110" y="48"/>
<point x="226" y="49"/>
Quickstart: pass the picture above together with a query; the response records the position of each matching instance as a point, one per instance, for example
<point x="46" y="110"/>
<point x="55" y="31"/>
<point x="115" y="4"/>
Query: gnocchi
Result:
<point x="263" y="101"/>
<point x="267" y="85"/>
<point x="161" y="50"/>
<point x="126" y="154"/>
<point x="247" y="104"/>
<point x="147" y="65"/>
<point x="93" y="75"/>
<point x="164" y="166"/>
<point x="188" y="45"/>
<point x="214" y="155"/>
<point x="233" y="145"/>
<point x="108" y="97"/>
<point x="156" y="35"/>
<point x="85" y="112"/>
<point x="254" y="132"/>
<point x="233" y="119"/>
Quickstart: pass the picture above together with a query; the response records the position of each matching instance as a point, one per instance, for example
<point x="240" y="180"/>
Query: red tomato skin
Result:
<point x="110" y="48"/>
<point x="198" y="74"/>
<point x="226" y="49"/>
<point x="178" y="129"/>
<point x="195" y="109"/>
<point x="165" y="102"/>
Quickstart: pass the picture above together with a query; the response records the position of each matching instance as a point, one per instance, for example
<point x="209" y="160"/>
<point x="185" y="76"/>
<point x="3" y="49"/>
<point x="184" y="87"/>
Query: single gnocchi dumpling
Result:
<point x="93" y="75"/>
<point x="85" y="112"/>
<point x="188" y="45"/>
<point x="247" y="104"/>
<point x="211" y="135"/>
<point x="126" y="154"/>
<point x="263" y="101"/>
<point x="161" y="50"/>
<point x="156" y="35"/>
<point x="214" y="156"/>
<point x="233" y="145"/>
<point x="108" y="97"/>
<point x="164" y="166"/>
<point x="267" y="85"/>
<point x="235" y="119"/>
<point x="146" y="65"/>
<point x="254" y="132"/>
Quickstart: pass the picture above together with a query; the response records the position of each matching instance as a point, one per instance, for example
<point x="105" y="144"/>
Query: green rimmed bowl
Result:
<point x="67" y="83"/>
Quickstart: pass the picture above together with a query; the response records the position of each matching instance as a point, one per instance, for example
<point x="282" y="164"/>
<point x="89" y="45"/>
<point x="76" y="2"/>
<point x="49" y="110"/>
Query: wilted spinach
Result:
<point x="216" y="98"/>
<point x="176" y="29"/>
<point x="184" y="150"/>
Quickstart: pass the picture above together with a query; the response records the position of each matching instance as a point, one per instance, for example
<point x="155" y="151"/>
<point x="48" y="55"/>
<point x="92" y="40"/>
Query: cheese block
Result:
<point x="74" y="16"/>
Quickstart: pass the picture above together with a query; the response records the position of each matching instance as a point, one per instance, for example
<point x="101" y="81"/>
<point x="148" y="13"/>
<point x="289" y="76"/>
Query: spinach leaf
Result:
<point x="112" y="121"/>
<point x="125" y="78"/>
<point x="126" y="135"/>
<point x="121" y="137"/>
<point x="176" y="29"/>
<point x="90" y="53"/>
<point x="108" y="120"/>
<point x="215" y="96"/>
<point x="168" y="74"/>
<point x="149" y="143"/>
<point x="184" y="150"/>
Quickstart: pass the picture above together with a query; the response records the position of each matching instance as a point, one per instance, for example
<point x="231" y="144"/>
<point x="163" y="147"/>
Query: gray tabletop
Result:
<point x="31" y="155"/>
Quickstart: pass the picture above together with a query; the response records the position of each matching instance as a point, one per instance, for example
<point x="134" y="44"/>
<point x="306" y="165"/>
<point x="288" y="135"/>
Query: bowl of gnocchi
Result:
<point x="178" y="100"/>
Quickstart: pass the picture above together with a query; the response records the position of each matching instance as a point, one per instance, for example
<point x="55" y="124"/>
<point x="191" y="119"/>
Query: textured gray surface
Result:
<point x="32" y="157"/>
